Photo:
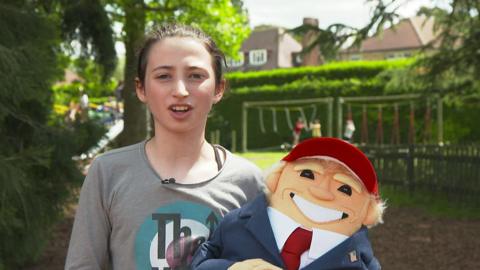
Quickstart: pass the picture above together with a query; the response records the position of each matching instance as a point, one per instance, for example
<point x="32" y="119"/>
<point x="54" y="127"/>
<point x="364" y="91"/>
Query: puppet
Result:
<point x="320" y="200"/>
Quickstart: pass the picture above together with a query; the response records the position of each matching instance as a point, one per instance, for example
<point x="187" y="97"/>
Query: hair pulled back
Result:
<point x="178" y="30"/>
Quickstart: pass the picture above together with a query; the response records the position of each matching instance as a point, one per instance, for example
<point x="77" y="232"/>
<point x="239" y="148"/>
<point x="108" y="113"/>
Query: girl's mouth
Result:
<point x="180" y="108"/>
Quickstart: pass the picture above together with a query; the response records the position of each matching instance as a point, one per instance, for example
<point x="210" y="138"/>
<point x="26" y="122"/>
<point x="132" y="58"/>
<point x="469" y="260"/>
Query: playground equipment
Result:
<point x="287" y="106"/>
<point x="385" y="103"/>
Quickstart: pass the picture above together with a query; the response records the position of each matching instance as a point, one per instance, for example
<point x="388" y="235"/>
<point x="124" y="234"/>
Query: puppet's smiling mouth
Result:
<point x="316" y="212"/>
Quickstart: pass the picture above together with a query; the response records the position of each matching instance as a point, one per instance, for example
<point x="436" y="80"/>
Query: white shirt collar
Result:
<point x="283" y="226"/>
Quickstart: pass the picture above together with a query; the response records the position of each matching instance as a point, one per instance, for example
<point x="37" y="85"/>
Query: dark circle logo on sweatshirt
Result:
<point x="169" y="237"/>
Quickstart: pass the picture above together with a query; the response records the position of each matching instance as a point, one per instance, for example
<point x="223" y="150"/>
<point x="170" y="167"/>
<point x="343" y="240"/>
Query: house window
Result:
<point x="258" y="57"/>
<point x="355" y="57"/>
<point x="398" y="55"/>
<point x="393" y="56"/>
<point x="236" y="63"/>
<point x="297" y="59"/>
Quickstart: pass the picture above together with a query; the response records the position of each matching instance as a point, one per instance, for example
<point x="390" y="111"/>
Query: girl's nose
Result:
<point x="180" y="89"/>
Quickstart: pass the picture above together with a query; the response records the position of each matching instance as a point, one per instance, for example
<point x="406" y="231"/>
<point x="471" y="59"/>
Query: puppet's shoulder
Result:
<point x="241" y="215"/>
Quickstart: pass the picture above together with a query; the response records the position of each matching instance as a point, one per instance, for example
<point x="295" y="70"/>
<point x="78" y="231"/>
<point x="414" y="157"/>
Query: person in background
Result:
<point x="297" y="131"/>
<point x="349" y="130"/>
<point x="84" y="103"/>
<point x="316" y="128"/>
<point x="151" y="204"/>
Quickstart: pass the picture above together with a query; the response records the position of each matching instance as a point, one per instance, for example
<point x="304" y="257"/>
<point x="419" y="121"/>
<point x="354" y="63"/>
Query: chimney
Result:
<point x="313" y="57"/>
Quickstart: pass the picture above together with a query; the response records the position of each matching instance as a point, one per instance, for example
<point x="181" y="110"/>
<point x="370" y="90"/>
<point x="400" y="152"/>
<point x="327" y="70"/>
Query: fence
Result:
<point x="450" y="172"/>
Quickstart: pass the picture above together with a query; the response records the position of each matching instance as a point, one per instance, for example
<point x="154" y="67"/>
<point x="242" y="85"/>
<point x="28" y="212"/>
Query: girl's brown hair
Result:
<point x="178" y="30"/>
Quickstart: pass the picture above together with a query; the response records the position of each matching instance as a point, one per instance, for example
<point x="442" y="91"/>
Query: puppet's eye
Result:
<point x="307" y="174"/>
<point x="346" y="189"/>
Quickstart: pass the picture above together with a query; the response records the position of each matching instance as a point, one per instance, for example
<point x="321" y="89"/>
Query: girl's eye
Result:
<point x="196" y="76"/>
<point x="163" y="76"/>
<point x="345" y="189"/>
<point x="307" y="174"/>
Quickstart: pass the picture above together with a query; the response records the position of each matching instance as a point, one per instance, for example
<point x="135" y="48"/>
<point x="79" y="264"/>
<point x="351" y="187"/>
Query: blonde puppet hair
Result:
<point x="276" y="170"/>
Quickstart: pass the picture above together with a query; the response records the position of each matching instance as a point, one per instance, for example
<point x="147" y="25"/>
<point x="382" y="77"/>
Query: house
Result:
<point x="403" y="40"/>
<point x="266" y="49"/>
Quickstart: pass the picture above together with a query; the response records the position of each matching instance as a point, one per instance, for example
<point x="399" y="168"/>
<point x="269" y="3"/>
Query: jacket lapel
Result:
<point x="259" y="226"/>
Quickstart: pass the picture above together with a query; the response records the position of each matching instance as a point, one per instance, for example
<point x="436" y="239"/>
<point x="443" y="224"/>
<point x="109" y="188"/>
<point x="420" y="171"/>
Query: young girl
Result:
<point x="149" y="205"/>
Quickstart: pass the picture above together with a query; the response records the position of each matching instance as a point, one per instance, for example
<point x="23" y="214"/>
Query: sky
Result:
<point x="290" y="13"/>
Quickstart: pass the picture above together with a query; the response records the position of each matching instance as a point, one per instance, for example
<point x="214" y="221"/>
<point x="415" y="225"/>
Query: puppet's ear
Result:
<point x="273" y="177"/>
<point x="374" y="213"/>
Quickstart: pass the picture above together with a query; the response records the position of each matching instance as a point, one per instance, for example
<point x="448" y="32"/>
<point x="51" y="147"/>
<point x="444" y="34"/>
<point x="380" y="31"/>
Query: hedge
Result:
<point x="360" y="70"/>
<point x="320" y="88"/>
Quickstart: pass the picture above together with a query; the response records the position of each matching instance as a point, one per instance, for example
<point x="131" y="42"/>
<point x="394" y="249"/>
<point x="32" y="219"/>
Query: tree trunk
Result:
<point x="135" y="115"/>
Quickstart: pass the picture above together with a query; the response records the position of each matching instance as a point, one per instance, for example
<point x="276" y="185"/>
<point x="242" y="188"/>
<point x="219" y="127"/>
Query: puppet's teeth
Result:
<point x="316" y="212"/>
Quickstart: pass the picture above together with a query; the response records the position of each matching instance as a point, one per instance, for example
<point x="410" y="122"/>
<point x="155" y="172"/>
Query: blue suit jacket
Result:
<point x="246" y="233"/>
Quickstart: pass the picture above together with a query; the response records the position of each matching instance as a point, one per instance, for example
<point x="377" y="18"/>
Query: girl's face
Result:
<point x="179" y="87"/>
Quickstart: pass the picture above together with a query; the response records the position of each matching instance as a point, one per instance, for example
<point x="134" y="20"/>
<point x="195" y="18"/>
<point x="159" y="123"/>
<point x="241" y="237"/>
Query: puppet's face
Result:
<point x="321" y="194"/>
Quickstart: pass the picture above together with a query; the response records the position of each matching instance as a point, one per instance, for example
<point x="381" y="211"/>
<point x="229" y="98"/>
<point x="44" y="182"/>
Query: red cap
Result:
<point x="343" y="151"/>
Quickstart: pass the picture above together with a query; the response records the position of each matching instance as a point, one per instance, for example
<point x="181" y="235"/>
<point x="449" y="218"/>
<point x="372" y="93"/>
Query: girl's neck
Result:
<point x="185" y="157"/>
<point x="174" y="145"/>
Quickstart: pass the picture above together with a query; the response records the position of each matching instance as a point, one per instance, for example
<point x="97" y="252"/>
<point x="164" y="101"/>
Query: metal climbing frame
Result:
<point x="381" y="99"/>
<point x="252" y="104"/>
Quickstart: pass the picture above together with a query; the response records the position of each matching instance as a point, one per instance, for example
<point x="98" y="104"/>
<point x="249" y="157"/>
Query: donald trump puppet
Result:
<point x="321" y="198"/>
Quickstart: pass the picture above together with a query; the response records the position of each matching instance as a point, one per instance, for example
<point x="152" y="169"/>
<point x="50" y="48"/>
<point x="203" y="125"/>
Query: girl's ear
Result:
<point x="219" y="90"/>
<point x="140" y="90"/>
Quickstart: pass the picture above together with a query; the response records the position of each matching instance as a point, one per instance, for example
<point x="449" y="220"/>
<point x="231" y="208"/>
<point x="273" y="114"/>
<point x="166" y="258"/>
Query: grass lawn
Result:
<point x="437" y="206"/>
<point x="264" y="160"/>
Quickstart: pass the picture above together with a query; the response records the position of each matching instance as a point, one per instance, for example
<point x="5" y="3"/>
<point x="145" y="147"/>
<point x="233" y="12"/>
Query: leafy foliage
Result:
<point x="36" y="169"/>
<point x="332" y="71"/>
<point x="458" y="55"/>
<point x="335" y="36"/>
<point x="87" y="23"/>
<point x="453" y="67"/>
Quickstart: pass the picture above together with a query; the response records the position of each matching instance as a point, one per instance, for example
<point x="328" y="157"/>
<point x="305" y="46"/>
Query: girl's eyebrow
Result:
<point x="162" y="67"/>
<point x="195" y="67"/>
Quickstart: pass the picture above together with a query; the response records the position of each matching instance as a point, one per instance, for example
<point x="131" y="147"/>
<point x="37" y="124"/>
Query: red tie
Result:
<point x="297" y="243"/>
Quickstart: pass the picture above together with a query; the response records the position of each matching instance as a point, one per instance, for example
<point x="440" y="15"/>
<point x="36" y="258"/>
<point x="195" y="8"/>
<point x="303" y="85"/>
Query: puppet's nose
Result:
<point x="321" y="193"/>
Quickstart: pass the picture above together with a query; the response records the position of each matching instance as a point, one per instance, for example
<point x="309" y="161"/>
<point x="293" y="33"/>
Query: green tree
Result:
<point x="225" y="20"/>
<point x="455" y="67"/>
<point x="332" y="38"/>
<point x="90" y="22"/>
<point x="36" y="168"/>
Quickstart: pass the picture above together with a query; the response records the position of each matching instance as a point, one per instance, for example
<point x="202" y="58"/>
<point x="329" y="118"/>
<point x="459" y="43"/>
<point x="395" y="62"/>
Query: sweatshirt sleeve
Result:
<point x="89" y="242"/>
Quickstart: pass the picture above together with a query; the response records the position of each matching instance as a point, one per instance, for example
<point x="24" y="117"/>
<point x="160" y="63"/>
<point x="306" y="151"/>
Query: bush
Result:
<point x="360" y="70"/>
<point x="318" y="88"/>
<point x="37" y="173"/>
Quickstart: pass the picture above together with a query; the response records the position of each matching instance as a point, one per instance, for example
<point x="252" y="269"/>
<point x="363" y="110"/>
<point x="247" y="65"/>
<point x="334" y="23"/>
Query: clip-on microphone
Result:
<point x="168" y="181"/>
